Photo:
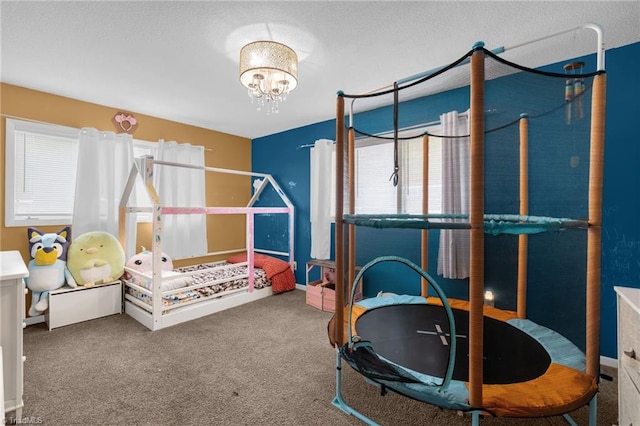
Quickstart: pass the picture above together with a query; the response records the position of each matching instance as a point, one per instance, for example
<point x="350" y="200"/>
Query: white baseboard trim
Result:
<point x="34" y="320"/>
<point x="301" y="287"/>
<point x="608" y="362"/>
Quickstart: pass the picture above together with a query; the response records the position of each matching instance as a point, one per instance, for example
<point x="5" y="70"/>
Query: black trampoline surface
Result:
<point x="417" y="337"/>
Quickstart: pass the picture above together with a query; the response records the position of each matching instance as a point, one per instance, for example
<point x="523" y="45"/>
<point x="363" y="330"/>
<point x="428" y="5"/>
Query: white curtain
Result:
<point x="183" y="235"/>
<point x="104" y="163"/>
<point x="320" y="202"/>
<point x="453" y="253"/>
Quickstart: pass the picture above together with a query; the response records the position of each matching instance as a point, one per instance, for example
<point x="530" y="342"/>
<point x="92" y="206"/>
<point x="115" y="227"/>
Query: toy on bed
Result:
<point x="95" y="258"/>
<point x="47" y="267"/>
<point x="142" y="262"/>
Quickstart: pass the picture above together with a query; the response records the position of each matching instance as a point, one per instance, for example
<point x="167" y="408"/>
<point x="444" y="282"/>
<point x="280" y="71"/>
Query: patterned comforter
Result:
<point x="212" y="271"/>
<point x="220" y="277"/>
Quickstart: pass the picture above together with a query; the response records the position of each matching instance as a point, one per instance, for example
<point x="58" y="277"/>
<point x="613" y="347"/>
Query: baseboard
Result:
<point x="608" y="362"/>
<point x="34" y="320"/>
<point x="301" y="287"/>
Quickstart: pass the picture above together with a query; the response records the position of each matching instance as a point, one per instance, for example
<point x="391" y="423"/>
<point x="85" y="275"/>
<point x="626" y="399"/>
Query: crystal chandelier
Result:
<point x="269" y="71"/>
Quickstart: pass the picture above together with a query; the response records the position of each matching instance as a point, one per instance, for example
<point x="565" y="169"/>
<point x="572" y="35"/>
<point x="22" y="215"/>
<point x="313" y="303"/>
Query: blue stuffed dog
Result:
<point x="47" y="267"/>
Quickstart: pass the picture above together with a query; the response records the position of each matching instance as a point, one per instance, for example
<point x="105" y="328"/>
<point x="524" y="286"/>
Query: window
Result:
<point x="375" y="192"/>
<point x="40" y="173"/>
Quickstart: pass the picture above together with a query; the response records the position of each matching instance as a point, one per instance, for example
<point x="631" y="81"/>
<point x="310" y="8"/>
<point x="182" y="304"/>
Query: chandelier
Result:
<point x="269" y="71"/>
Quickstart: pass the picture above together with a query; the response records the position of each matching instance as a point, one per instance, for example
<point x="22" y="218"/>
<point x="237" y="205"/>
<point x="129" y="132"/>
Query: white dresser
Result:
<point x="628" y="356"/>
<point x="12" y="310"/>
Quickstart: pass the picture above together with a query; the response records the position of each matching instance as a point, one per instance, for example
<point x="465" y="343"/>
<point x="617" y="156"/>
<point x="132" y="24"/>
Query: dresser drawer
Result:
<point x="629" y="397"/>
<point x="628" y="356"/>
<point x="629" y="332"/>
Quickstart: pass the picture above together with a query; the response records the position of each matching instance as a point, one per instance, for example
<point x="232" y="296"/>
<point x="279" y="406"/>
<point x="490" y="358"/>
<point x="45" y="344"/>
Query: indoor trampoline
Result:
<point x="462" y="354"/>
<point x="419" y="347"/>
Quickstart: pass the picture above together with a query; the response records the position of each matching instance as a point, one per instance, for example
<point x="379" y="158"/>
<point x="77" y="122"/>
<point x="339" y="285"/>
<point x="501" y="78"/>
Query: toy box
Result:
<point x="321" y="294"/>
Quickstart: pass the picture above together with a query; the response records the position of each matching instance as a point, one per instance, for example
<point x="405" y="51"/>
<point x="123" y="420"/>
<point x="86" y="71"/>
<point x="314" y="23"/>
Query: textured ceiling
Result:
<point x="179" y="60"/>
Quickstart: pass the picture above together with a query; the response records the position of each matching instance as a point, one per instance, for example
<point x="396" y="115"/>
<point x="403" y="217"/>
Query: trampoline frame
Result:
<point x="562" y="357"/>
<point x="476" y="226"/>
<point x="443" y="298"/>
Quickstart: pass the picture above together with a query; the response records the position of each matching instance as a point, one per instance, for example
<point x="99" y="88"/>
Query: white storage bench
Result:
<point x="73" y="305"/>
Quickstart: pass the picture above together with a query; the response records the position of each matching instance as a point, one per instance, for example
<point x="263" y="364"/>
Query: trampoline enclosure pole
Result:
<point x="424" y="234"/>
<point x="523" y="239"/>
<point x="594" y="234"/>
<point x="339" y="243"/>
<point x="476" y="219"/>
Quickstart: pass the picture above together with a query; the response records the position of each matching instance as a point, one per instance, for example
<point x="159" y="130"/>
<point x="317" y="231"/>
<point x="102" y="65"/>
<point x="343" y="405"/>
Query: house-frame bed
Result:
<point x="157" y="302"/>
<point x="563" y="385"/>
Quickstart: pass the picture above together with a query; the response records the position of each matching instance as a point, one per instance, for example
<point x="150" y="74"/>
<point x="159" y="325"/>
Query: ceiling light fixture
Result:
<point x="269" y="71"/>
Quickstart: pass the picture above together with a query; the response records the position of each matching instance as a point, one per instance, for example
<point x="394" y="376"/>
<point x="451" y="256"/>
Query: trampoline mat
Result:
<point x="417" y="336"/>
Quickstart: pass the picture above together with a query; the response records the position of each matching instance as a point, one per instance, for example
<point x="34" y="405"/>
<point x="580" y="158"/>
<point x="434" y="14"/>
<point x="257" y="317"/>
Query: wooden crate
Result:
<point x="321" y="294"/>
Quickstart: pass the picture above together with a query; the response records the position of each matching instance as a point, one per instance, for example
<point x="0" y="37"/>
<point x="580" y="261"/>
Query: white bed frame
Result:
<point x="155" y="316"/>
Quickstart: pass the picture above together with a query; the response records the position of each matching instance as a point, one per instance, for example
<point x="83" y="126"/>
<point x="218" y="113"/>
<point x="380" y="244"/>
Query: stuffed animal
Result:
<point x="47" y="267"/>
<point x="142" y="262"/>
<point x="94" y="258"/>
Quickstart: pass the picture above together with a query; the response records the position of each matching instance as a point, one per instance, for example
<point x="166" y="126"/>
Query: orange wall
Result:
<point x="223" y="150"/>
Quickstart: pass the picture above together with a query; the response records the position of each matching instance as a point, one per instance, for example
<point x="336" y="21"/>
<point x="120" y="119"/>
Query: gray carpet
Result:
<point x="265" y="363"/>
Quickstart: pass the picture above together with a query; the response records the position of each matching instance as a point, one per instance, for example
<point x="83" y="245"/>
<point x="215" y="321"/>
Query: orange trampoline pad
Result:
<point x="558" y="391"/>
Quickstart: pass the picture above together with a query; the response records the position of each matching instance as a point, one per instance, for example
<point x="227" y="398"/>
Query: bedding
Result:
<point x="209" y="272"/>
<point x="171" y="280"/>
<point x="213" y="278"/>
<point x="277" y="271"/>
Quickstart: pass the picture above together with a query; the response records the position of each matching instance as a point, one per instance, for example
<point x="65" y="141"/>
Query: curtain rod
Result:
<point x="57" y="125"/>
<point x="436" y="122"/>
<point x="412" y="127"/>
<point x="36" y="121"/>
<point x="415" y="126"/>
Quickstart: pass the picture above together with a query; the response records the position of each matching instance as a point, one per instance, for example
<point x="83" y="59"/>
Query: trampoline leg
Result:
<point x="475" y="418"/>
<point x="593" y="413"/>
<point x="339" y="402"/>
<point x="570" y="420"/>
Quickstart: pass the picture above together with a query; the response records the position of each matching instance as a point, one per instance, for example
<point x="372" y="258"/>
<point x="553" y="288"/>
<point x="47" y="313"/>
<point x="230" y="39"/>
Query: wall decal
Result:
<point x="125" y="122"/>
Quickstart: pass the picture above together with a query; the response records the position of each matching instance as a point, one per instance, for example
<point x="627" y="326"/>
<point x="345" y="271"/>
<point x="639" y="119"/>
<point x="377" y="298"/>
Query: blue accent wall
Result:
<point x="281" y="156"/>
<point x="621" y="228"/>
<point x="554" y="258"/>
